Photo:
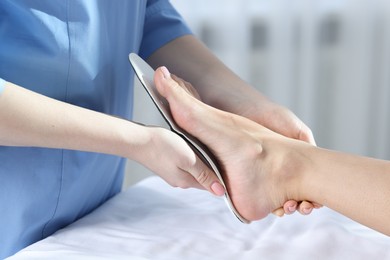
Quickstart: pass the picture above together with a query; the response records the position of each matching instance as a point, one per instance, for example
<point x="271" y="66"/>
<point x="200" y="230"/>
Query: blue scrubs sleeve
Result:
<point x="162" y="25"/>
<point x="2" y="83"/>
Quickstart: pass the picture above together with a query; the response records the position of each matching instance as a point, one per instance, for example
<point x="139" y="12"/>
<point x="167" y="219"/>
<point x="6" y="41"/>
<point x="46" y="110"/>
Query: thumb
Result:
<point x="206" y="177"/>
<point x="305" y="134"/>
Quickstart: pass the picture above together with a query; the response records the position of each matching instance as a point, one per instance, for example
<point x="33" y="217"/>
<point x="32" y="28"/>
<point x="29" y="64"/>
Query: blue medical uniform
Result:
<point x="75" y="51"/>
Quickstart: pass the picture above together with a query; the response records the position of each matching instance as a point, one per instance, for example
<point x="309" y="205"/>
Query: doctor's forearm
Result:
<point x="30" y="119"/>
<point x="217" y="85"/>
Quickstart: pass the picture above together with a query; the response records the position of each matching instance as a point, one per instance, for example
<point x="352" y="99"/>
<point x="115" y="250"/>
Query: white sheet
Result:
<point x="155" y="221"/>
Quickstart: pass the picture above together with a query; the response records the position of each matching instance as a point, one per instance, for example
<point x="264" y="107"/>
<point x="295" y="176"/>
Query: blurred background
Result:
<point x="326" y="60"/>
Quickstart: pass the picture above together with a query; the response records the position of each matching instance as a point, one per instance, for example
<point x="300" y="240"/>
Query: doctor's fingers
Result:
<point x="205" y="177"/>
<point x="306" y="207"/>
<point x="186" y="86"/>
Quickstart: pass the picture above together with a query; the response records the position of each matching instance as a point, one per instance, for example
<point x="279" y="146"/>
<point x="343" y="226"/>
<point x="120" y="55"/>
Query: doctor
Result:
<point x="64" y="70"/>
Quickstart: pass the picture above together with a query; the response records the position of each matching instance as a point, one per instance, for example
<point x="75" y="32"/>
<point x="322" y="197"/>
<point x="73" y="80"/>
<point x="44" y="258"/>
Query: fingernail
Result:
<point x="291" y="209"/>
<point x="166" y="72"/>
<point x="217" y="188"/>
<point x="307" y="210"/>
<point x="279" y="213"/>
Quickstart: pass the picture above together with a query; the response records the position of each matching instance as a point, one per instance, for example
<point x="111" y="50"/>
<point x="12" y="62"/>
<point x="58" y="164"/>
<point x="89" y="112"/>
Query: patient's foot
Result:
<point x="253" y="172"/>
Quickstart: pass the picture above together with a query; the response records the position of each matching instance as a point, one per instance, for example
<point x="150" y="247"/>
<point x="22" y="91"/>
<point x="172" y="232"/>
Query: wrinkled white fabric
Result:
<point x="152" y="220"/>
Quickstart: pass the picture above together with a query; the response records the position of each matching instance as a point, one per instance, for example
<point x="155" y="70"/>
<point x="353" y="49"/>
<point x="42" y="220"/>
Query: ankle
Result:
<point x="293" y="174"/>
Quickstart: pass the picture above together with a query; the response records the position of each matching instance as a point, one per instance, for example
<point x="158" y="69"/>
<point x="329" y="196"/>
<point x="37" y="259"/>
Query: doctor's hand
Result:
<point x="275" y="117"/>
<point x="252" y="157"/>
<point x="170" y="157"/>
